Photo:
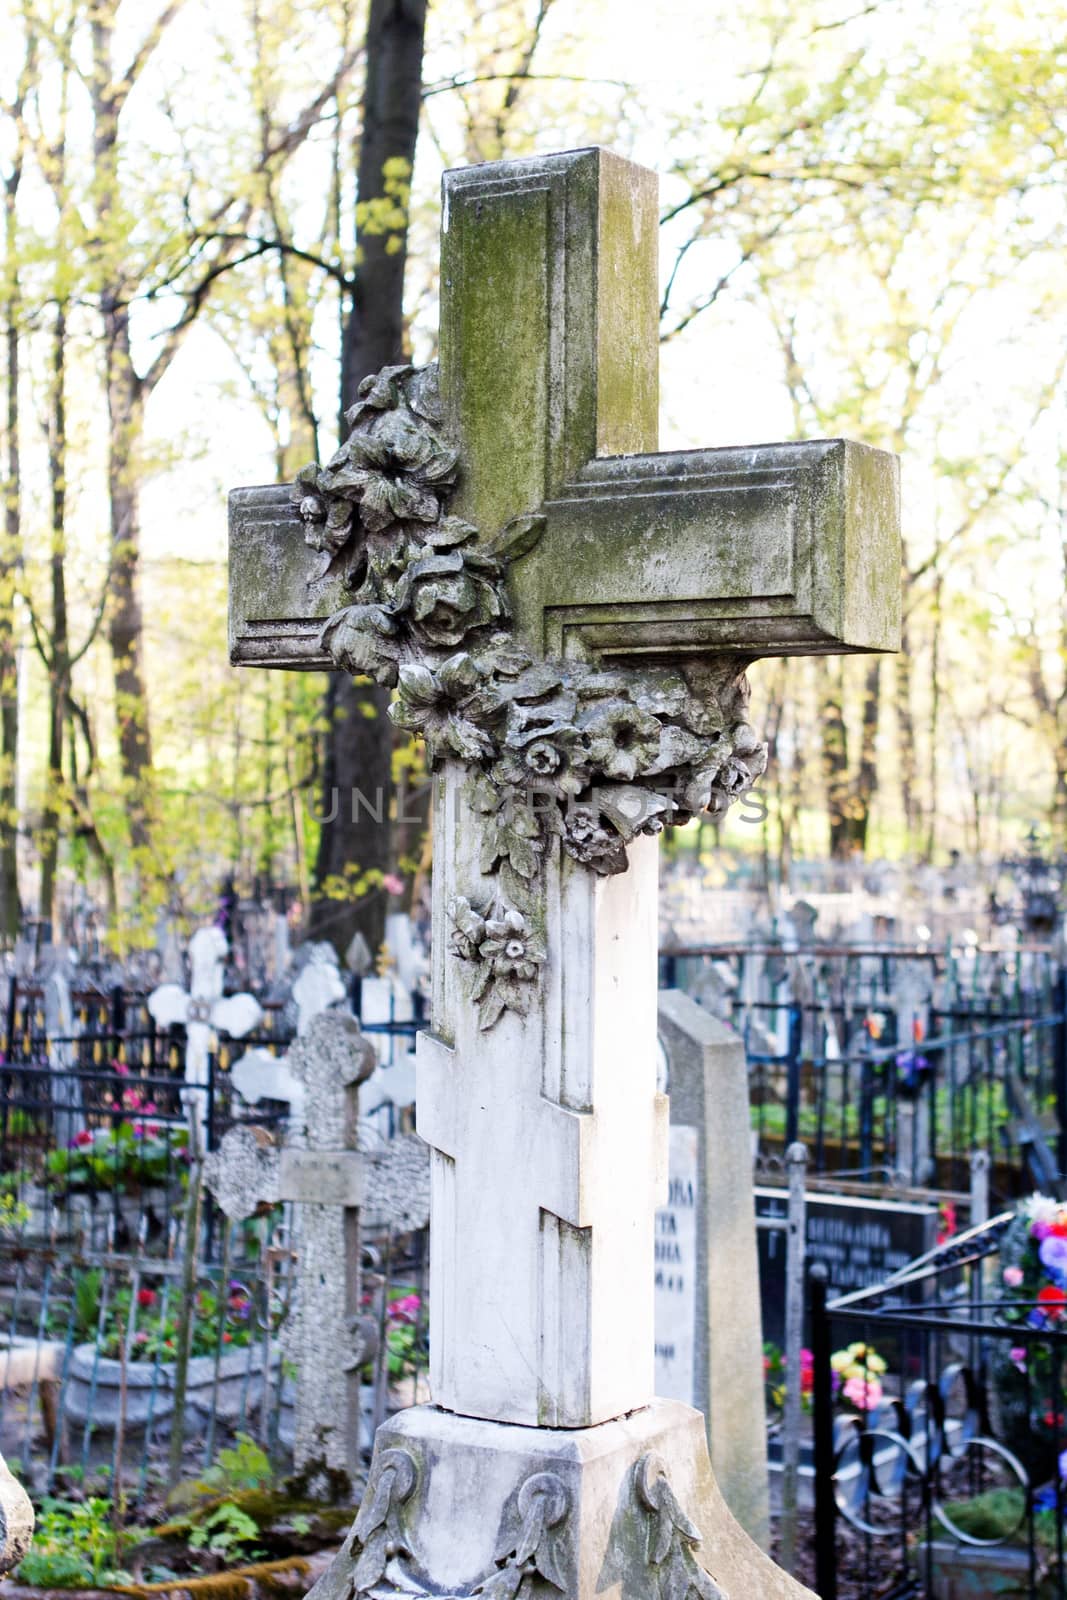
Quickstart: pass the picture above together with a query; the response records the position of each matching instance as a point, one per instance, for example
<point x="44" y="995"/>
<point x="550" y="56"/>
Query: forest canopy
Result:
<point x="217" y="219"/>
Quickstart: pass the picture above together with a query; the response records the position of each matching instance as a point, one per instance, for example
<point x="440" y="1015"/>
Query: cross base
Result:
<point x="457" y="1507"/>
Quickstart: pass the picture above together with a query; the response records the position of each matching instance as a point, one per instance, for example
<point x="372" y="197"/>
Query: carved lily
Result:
<point x="510" y="949"/>
<point x="623" y="740"/>
<point x="468" y="928"/>
<point x="432" y="704"/>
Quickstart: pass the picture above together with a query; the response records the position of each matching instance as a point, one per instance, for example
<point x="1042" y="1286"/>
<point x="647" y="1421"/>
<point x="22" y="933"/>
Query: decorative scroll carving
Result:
<point x="543" y="1506"/>
<point x="376" y="1557"/>
<point x="376" y="1537"/>
<point x="672" y="1539"/>
<point x="591" y="755"/>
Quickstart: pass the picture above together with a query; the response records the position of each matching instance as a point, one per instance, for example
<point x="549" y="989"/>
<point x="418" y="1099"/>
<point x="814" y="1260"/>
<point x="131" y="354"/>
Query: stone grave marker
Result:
<point x="61" y="1030"/>
<point x="259" y="1074"/>
<point x="567" y="618"/>
<point x="320" y="1169"/>
<point x="16" y="1519"/>
<point x="709" y="1344"/>
<point x="861" y="1240"/>
<point x="202" y="1009"/>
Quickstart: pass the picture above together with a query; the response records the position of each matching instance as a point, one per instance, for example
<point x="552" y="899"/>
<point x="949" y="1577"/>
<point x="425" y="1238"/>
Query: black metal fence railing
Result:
<point x="848" y="1052"/>
<point x="940" y="1440"/>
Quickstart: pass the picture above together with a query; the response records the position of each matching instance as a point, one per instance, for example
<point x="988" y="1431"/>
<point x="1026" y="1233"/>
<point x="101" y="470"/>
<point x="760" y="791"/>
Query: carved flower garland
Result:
<point x="558" y="748"/>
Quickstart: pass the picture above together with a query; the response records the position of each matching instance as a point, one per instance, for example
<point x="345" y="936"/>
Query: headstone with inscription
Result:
<point x="860" y="1240"/>
<point x="709" y="1347"/>
<point x="567" y="618"/>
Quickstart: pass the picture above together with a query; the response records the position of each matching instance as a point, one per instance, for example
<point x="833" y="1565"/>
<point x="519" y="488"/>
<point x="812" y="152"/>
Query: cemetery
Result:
<point x="533" y="790"/>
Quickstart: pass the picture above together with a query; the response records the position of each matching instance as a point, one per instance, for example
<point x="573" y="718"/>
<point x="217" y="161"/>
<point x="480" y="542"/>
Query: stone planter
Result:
<point x="962" y="1572"/>
<point x="93" y="1389"/>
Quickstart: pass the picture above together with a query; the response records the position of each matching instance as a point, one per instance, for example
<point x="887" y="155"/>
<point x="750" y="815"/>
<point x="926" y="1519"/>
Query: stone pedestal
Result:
<point x="628" y="1510"/>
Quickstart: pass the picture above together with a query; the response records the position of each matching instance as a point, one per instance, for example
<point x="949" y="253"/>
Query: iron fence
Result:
<point x="939" y="1434"/>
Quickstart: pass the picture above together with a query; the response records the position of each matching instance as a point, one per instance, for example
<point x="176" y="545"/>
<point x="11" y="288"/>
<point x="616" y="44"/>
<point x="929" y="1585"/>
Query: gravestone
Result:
<point x="567" y="619"/>
<point x="16" y="1519"/>
<point x="202" y="1009"/>
<point x="319" y="1168"/>
<point x="861" y="1240"/>
<point x="61" y="1031"/>
<point x="259" y="1074"/>
<point x="709" y="1344"/>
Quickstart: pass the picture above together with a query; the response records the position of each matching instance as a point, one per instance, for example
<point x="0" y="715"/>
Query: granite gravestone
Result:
<point x="567" y="618"/>
<point x="709" y="1347"/>
<point x="860" y="1240"/>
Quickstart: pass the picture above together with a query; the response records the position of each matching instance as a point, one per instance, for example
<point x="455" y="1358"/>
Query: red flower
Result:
<point x="1058" y="1229"/>
<point x="227" y="1338"/>
<point x="146" y="1297"/>
<point x="84" y="1137"/>
<point x="1052" y="1302"/>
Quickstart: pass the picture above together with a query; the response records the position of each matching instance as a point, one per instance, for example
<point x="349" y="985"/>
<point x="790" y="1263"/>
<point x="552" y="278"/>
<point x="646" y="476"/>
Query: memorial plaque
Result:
<point x="322" y="1177"/>
<point x="862" y="1241"/>
<point x="676" y="1272"/>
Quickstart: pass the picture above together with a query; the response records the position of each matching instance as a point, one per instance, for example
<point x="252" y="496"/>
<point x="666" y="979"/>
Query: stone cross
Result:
<point x="16" y="1519"/>
<point x="320" y="1169"/>
<point x="258" y="1074"/>
<point x="202" y="1009"/>
<point x="567" y="617"/>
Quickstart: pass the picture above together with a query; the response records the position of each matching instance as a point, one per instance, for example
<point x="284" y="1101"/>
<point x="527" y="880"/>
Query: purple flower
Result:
<point x="1053" y="1253"/>
<point x="1063" y="1465"/>
<point x="1040" y="1229"/>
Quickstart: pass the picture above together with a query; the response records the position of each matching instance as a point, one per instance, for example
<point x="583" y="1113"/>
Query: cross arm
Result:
<point x="781" y="549"/>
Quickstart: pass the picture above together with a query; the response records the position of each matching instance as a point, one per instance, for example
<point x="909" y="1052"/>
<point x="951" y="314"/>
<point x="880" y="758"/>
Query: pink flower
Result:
<point x="864" y="1393"/>
<point x="1013" y="1277"/>
<point x="1017" y="1353"/>
<point x="393" y="883"/>
<point x="121" y="1068"/>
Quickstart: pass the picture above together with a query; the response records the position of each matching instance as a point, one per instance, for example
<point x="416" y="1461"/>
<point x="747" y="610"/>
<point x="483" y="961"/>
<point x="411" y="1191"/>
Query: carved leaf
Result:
<point x="373" y="1560"/>
<point x="491" y="1008"/>
<point x="518" y="537"/>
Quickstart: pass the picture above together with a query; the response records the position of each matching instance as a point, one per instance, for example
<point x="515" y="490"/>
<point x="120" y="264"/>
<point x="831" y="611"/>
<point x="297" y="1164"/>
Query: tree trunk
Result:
<point x="125" y="403"/>
<point x="59" y="645"/>
<point x="359" y="743"/>
<point x="9" y="678"/>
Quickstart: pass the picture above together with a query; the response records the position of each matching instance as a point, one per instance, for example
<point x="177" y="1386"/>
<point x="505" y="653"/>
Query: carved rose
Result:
<point x="393" y="467"/>
<point x="448" y="592"/>
<point x="363" y="639"/>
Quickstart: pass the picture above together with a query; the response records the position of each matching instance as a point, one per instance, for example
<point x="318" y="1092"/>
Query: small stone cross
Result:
<point x="321" y="1170"/>
<point x="567" y="617"/>
<point x="202" y="1009"/>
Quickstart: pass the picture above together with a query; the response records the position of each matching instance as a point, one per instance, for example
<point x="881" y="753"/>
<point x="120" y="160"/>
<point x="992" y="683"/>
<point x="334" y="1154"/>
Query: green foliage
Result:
<point x="228" y="1532"/>
<point x="75" y="1546"/>
<point x="122" y="1159"/>
<point x="244" y="1465"/>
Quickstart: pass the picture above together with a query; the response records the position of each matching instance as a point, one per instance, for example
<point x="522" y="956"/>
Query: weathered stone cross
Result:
<point x="568" y="618"/>
<point x="320" y="1169"/>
